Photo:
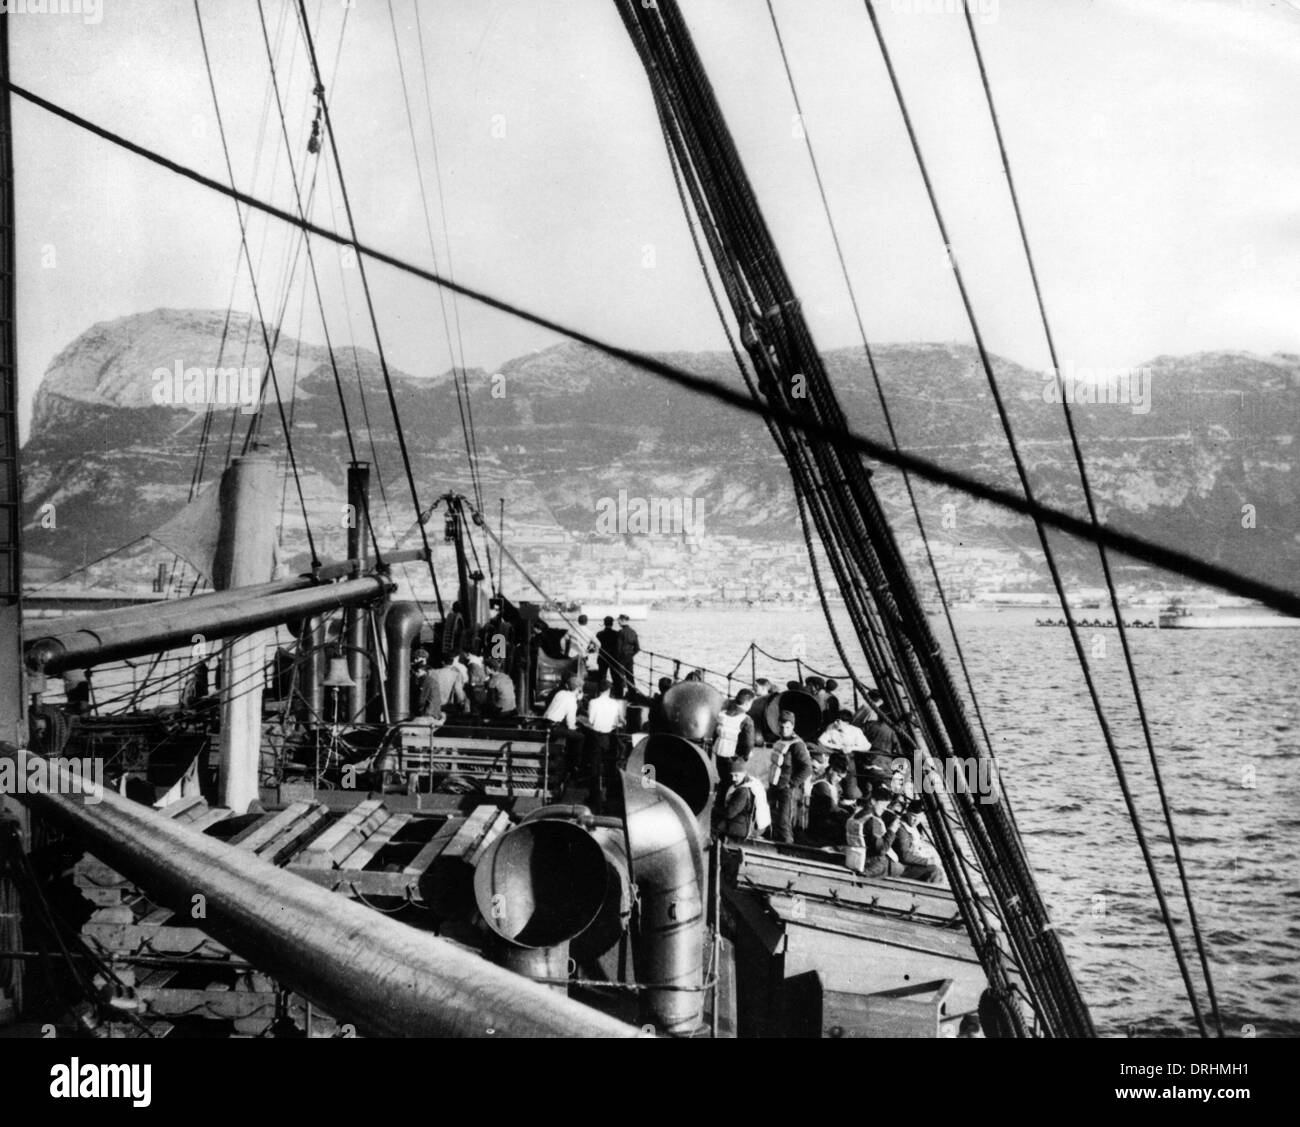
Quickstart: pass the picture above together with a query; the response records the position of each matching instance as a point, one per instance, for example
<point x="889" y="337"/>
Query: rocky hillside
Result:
<point x="561" y="428"/>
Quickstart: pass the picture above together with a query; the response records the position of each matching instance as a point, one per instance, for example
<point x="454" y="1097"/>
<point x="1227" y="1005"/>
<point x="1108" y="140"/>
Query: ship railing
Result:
<point x="649" y="666"/>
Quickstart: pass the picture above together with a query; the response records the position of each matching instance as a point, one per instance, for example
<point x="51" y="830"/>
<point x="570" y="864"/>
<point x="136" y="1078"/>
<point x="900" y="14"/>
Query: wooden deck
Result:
<point x="365" y="850"/>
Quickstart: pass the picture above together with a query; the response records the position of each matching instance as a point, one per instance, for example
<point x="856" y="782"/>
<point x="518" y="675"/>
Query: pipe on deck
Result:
<point x="667" y="863"/>
<point x="354" y="619"/>
<point x="537" y="887"/>
<point x="684" y="768"/>
<point x="361" y="967"/>
<point x="401" y="629"/>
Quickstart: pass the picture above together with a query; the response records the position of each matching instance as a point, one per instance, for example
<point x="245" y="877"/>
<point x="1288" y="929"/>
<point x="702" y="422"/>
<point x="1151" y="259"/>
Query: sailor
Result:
<point x="884" y="740"/>
<point x="561" y="717"/>
<point x="886" y="750"/>
<point x="657" y="721"/>
<point x="604" y="715"/>
<point x="628" y="647"/>
<point x="869" y="834"/>
<point x="841" y="735"/>
<point x="790" y="767"/>
<point x="733" y="735"/>
<point x="607" y="649"/>
<point x="500" y="700"/>
<point x="745" y="811"/>
<point x="826" y="818"/>
<point x="920" y="859"/>
<point x="449" y="682"/>
<point x="563" y="709"/>
<point x="831" y="705"/>
<point x="820" y="763"/>
<point x="476" y="676"/>
<point x="427" y="695"/>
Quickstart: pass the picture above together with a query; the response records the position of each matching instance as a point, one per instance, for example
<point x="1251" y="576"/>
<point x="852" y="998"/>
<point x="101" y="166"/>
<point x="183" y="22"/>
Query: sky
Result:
<point x="1153" y="142"/>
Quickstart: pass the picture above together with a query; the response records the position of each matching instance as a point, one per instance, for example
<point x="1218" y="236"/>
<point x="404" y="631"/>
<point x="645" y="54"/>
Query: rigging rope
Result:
<point x="1049" y="556"/>
<point x="1093" y="517"/>
<point x="848" y="513"/>
<point x="243" y="234"/>
<point x="470" y="451"/>
<point x="370" y="305"/>
<point x="446" y="239"/>
<point x="311" y="263"/>
<point x="886" y="414"/>
<point x="1138" y="547"/>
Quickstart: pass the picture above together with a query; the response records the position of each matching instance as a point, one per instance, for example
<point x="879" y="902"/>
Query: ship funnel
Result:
<point x="537" y="887"/>
<point x="667" y="865"/>
<point x="690" y="710"/>
<point x="682" y="767"/>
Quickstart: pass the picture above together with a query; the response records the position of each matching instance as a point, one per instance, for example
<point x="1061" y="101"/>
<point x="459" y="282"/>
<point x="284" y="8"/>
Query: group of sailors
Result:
<point x="848" y="791"/>
<point x="605" y="654"/>
<point x="463" y="684"/>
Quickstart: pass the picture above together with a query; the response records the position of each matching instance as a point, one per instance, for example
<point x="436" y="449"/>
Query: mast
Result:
<point x="13" y="699"/>
<point x="834" y="486"/>
<point x="13" y="718"/>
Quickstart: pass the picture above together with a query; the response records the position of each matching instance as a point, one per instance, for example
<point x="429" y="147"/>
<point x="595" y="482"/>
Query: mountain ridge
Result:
<point x="561" y="427"/>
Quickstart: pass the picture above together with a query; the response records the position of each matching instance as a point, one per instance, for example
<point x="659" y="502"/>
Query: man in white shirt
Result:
<point x="848" y="738"/>
<point x="604" y="716"/>
<point x="604" y="713"/>
<point x="460" y="667"/>
<point x="840" y="735"/>
<point x="563" y="709"/>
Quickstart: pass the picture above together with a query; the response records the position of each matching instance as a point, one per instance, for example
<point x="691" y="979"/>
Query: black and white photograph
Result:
<point x="653" y="519"/>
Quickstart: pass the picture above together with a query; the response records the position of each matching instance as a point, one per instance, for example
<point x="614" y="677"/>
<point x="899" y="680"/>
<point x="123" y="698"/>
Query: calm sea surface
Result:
<point x="1224" y="706"/>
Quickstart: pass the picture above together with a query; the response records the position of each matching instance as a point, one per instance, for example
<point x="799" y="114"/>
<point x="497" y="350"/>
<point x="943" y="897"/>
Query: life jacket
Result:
<point x="780" y="750"/>
<point x="728" y="734"/>
<point x="762" y="812"/>
<point x="854" y="832"/>
<point x="911" y="847"/>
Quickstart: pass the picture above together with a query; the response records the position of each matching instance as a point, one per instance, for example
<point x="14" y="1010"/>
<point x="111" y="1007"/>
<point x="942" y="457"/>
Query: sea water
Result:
<point x="1224" y="710"/>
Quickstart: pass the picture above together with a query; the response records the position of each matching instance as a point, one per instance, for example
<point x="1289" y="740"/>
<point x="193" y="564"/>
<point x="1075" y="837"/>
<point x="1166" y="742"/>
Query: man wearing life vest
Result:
<point x="791" y="767"/>
<point x="919" y="858"/>
<point x="869" y="834"/>
<point x="733" y="735"/>
<point x="745" y="811"/>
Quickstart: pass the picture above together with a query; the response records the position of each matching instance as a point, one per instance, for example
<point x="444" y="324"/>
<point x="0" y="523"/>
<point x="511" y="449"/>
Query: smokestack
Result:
<point x="245" y="556"/>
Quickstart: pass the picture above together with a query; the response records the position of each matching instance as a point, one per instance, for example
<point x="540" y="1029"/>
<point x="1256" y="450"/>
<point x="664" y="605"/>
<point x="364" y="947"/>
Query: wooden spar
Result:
<point x="84" y="642"/>
<point x="386" y="978"/>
